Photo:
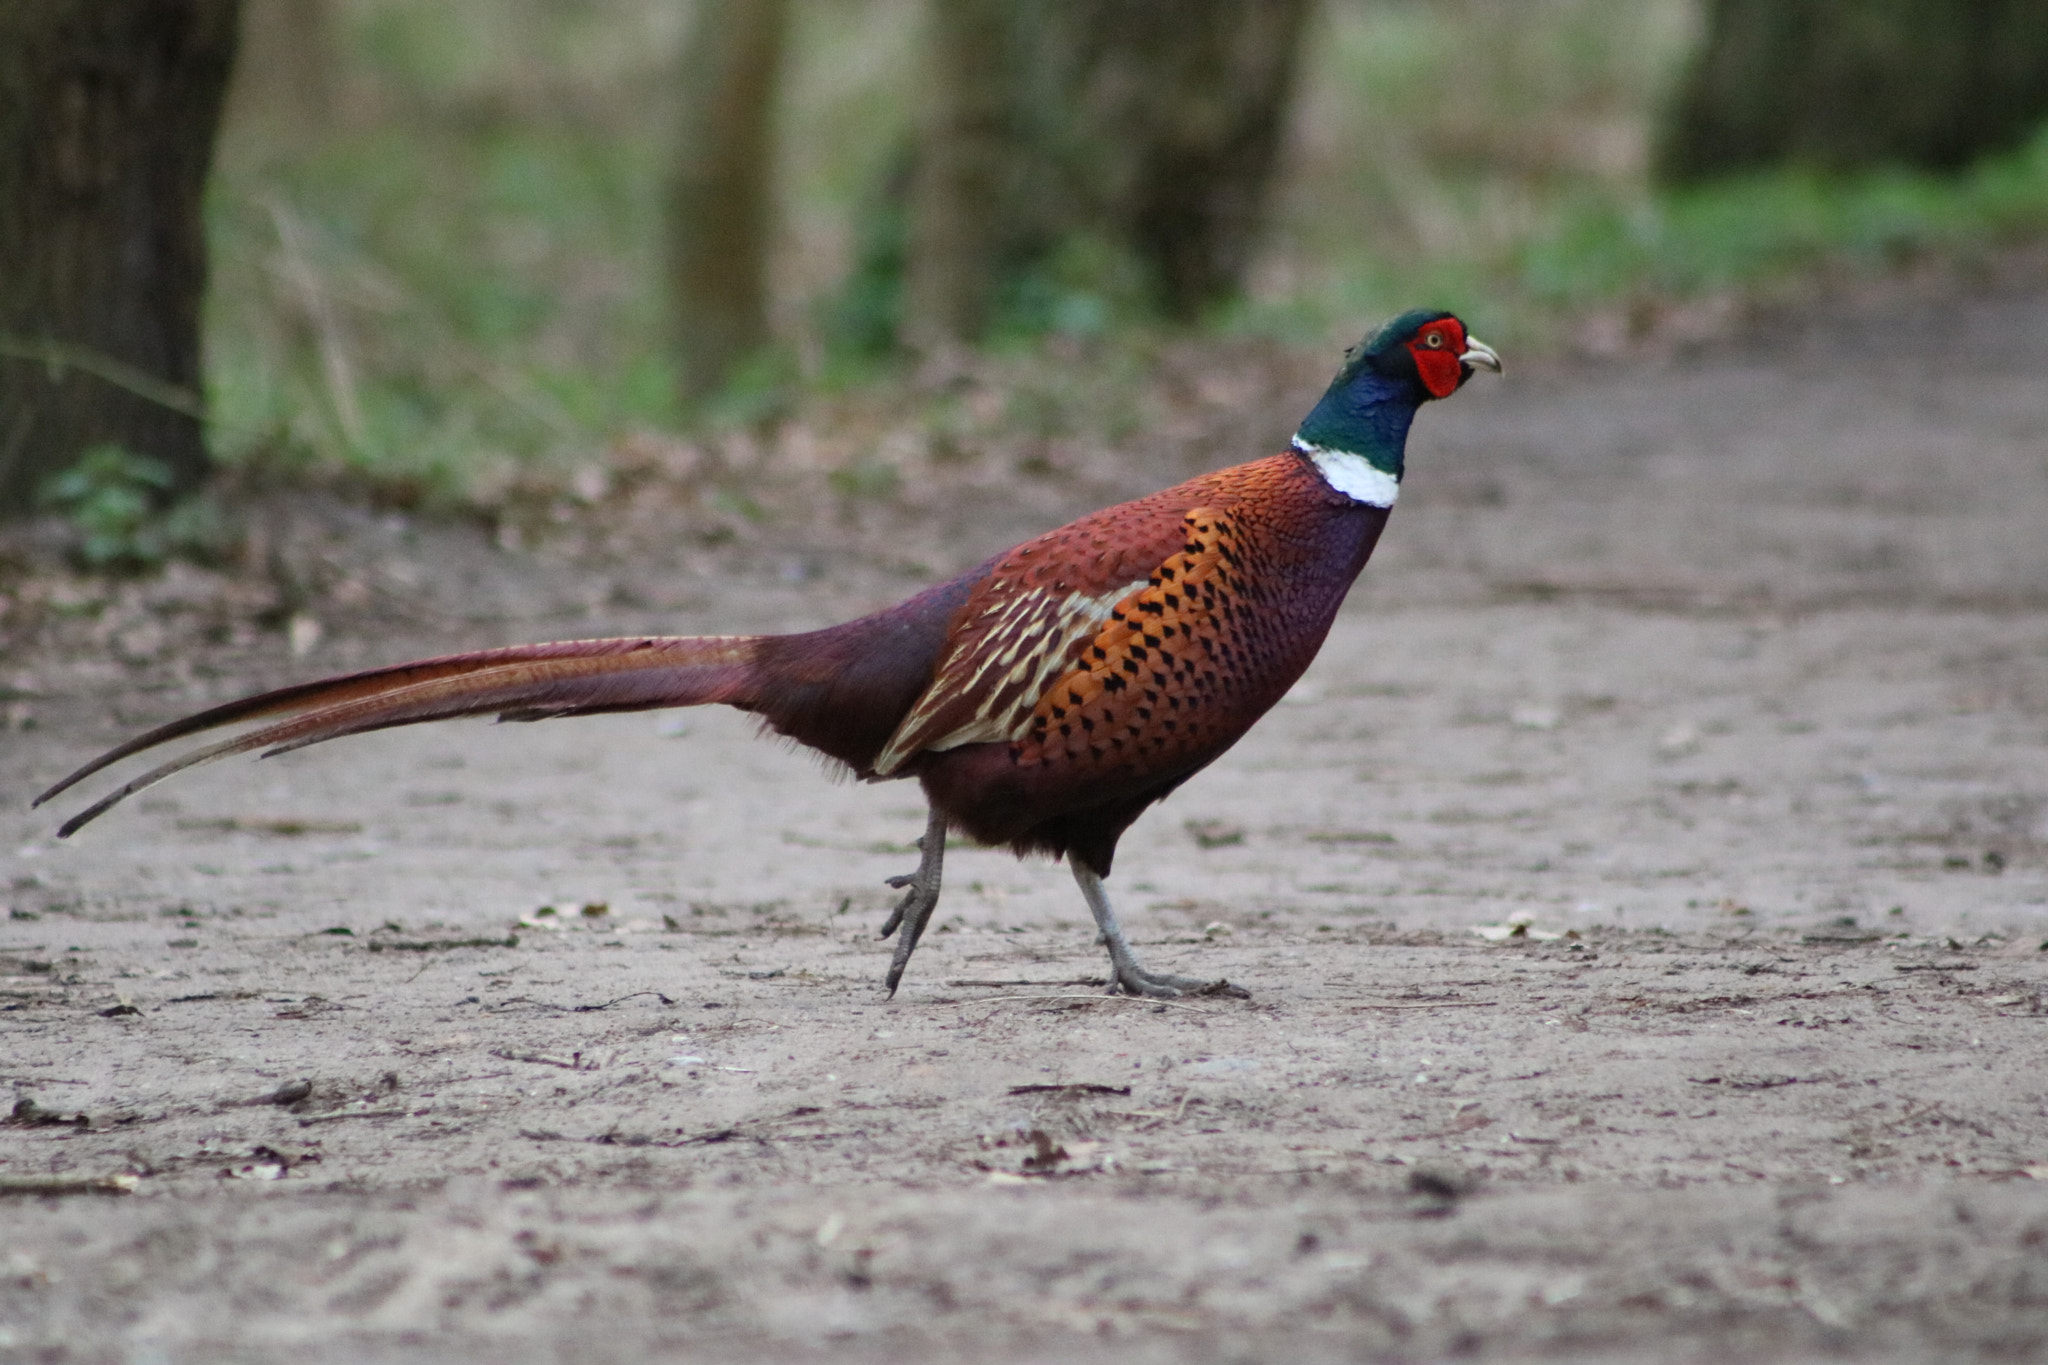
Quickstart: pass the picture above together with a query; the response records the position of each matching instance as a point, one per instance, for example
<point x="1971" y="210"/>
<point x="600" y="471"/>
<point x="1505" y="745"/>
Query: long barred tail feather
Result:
<point x="523" y="682"/>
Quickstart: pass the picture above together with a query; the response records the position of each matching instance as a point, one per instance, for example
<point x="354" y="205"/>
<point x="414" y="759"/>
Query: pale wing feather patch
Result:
<point x="1001" y="665"/>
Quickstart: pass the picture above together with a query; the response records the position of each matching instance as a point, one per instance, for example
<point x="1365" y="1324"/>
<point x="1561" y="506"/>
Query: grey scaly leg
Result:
<point x="914" y="911"/>
<point x="1125" y="972"/>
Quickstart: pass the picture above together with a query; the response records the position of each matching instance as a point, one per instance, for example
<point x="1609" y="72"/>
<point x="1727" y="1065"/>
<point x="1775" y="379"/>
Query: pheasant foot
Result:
<point x="1125" y="973"/>
<point x="1132" y="979"/>
<point x="914" y="911"/>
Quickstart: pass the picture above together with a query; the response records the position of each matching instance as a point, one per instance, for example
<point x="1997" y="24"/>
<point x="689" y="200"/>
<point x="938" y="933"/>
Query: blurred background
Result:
<point x="507" y="258"/>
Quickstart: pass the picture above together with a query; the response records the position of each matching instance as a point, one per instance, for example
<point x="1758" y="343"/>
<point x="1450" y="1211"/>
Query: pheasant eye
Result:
<point x="1435" y="341"/>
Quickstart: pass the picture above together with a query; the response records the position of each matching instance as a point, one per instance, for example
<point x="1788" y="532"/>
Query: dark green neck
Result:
<point x="1366" y="414"/>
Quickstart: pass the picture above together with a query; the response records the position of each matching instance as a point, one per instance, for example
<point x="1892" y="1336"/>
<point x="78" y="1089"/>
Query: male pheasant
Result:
<point x="1043" y="699"/>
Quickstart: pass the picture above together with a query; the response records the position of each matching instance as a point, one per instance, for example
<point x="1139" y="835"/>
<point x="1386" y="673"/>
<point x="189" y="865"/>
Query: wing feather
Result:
<point x="988" y="685"/>
<point x="1030" y="622"/>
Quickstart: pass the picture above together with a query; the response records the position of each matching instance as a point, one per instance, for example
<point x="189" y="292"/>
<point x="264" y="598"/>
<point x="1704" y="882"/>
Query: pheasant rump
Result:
<point x="1043" y="699"/>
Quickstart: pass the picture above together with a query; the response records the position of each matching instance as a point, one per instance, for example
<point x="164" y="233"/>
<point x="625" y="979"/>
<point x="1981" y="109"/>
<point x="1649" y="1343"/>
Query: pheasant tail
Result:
<point x="526" y="682"/>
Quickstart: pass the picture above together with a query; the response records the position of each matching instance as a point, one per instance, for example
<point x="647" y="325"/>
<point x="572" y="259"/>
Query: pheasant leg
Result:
<point x="914" y="911"/>
<point x="1126" y="974"/>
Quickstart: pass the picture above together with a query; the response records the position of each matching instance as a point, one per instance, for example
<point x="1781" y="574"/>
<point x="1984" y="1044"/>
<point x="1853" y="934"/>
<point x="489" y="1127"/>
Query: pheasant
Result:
<point x="1043" y="699"/>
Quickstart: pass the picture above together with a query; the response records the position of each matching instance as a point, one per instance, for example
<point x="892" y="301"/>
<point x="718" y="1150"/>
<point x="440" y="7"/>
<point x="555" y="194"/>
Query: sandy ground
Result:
<point x="1645" y="900"/>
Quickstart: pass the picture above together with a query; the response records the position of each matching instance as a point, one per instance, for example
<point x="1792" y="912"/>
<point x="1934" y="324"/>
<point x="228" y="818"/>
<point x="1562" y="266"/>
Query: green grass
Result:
<point x="1492" y="157"/>
<point x="1751" y="237"/>
<point x="412" y="307"/>
<point x="113" y="499"/>
<point x="452" y="285"/>
<point x="1757" y="231"/>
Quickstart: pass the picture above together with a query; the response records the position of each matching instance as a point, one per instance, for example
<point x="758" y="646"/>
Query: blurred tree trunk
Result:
<point x="108" y="111"/>
<point x="977" y="204"/>
<point x="1155" y="128"/>
<point x="1182" y="109"/>
<point x="720" y="201"/>
<point x="1851" y="83"/>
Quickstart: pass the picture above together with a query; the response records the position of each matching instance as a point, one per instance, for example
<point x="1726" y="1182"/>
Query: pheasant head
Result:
<point x="1357" y="435"/>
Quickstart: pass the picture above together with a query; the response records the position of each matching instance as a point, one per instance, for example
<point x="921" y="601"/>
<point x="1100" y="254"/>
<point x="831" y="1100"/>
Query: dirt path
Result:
<point x="1644" y="899"/>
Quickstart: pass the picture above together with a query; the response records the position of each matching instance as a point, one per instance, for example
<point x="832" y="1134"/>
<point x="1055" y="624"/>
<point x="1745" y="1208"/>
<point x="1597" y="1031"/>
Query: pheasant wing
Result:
<point x="1056" y="612"/>
<point x="1174" y="671"/>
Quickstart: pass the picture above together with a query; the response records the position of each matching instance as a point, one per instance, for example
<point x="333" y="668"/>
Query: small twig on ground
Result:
<point x="1916" y="1112"/>
<point x="1158" y="1116"/>
<point x="574" y="1064"/>
<point x="1425" y="1005"/>
<point x="510" y="1000"/>
<point x="68" y="1184"/>
<point x="355" y="1114"/>
<point x="440" y="945"/>
<point x="1085" y="998"/>
<point x="587" y="1009"/>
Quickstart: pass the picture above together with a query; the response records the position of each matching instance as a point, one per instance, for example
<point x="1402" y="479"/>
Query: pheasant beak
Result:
<point x="1479" y="356"/>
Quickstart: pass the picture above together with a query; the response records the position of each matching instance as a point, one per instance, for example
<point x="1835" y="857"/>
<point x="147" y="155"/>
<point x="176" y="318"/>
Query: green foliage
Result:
<point x="863" y="318"/>
<point x="1762" y="228"/>
<point x="763" y="387"/>
<point x="458" y="270"/>
<point x="1437" y="137"/>
<point x="1491" y="156"/>
<point x="393" y="307"/>
<point x="454" y="284"/>
<point x="114" y="501"/>
<point x="865" y="478"/>
<point x="1085" y="289"/>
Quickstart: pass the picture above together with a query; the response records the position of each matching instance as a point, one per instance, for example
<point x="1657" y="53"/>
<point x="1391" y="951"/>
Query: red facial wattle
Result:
<point x="1438" y="364"/>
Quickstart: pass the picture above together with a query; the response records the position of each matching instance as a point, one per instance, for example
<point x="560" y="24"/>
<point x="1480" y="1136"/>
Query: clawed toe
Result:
<point x="1125" y="973"/>
<point x="1163" y="986"/>
<point x="913" y="908"/>
<point x="895" y="920"/>
<point x="920" y="897"/>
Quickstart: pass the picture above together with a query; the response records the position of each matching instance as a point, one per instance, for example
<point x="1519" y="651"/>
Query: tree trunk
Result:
<point x="108" y="111"/>
<point x="1155" y="128"/>
<point x="1842" y="84"/>
<point x="977" y="199"/>
<point x="1178" y="113"/>
<point x="720" y="201"/>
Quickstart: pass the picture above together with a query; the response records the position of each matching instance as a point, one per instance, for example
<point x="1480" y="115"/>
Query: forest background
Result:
<point x="499" y="258"/>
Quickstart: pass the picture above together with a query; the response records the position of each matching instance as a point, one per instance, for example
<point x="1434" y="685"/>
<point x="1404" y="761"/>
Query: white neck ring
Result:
<point x="1352" y="474"/>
